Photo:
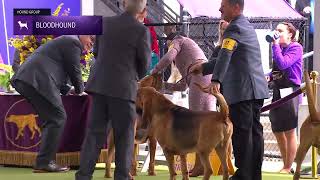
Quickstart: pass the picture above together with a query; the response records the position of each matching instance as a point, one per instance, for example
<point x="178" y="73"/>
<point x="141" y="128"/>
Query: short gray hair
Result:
<point x="135" y="6"/>
<point x="239" y="2"/>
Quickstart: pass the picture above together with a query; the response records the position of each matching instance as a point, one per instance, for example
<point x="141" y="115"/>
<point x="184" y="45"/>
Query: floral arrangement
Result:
<point x="28" y="44"/>
<point x="5" y="75"/>
<point x="86" y="63"/>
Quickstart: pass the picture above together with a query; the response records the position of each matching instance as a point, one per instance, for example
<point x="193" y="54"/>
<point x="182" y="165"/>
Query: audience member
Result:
<point x="285" y="78"/>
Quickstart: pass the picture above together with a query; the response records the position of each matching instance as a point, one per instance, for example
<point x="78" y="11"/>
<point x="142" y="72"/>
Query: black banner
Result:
<point x="32" y="12"/>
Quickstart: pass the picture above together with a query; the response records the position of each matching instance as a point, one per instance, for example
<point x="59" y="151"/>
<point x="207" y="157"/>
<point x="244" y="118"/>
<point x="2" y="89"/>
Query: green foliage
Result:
<point x="5" y="81"/>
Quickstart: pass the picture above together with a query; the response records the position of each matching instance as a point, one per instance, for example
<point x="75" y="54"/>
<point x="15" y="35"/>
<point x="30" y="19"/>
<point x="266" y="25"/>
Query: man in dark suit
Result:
<point x="41" y="79"/>
<point x="238" y="69"/>
<point x="123" y="54"/>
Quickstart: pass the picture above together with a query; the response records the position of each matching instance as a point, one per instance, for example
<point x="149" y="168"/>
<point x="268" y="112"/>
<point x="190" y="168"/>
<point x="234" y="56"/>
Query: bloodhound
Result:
<point x="154" y="80"/>
<point x="180" y="131"/>
<point x="310" y="129"/>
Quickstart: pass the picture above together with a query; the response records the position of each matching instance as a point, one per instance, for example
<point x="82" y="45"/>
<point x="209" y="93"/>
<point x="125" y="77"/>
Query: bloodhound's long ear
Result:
<point x="157" y="81"/>
<point x="146" y="81"/>
<point x="144" y="101"/>
<point x="146" y="112"/>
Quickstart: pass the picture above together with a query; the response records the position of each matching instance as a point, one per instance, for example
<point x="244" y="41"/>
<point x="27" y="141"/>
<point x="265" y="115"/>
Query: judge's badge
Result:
<point x="229" y="44"/>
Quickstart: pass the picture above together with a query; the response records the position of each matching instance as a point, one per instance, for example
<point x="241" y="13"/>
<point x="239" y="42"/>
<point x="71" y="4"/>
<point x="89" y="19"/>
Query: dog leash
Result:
<point x="184" y="77"/>
<point x="188" y="73"/>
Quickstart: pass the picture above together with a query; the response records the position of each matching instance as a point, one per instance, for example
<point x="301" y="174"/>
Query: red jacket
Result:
<point x="154" y="39"/>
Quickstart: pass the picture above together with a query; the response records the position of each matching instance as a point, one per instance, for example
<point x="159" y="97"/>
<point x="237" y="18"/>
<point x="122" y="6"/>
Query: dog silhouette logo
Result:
<point x="23" y="25"/>
<point x="22" y="125"/>
<point x="23" y="121"/>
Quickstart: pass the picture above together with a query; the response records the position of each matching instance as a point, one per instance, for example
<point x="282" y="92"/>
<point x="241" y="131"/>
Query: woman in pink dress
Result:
<point x="184" y="52"/>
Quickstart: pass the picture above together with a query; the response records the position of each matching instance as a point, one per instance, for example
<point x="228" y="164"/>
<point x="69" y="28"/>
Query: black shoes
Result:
<point x="51" y="167"/>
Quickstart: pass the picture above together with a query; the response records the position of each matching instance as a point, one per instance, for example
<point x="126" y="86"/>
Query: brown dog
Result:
<point x="310" y="129"/>
<point x="154" y="80"/>
<point x="23" y="121"/>
<point x="180" y="131"/>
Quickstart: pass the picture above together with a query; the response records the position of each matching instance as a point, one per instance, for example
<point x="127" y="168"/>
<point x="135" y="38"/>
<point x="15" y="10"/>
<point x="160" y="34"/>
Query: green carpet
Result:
<point x="11" y="173"/>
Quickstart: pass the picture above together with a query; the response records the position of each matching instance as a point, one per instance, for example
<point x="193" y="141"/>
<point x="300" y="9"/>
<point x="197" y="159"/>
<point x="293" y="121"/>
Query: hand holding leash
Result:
<point x="196" y="69"/>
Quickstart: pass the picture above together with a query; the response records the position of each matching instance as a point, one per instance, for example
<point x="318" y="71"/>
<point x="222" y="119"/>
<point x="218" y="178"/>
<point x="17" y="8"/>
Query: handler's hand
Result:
<point x="196" y="69"/>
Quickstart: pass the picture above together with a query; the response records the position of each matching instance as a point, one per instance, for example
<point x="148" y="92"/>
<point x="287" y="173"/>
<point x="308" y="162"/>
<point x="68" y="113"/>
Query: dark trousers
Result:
<point x="247" y="139"/>
<point x="121" y="113"/>
<point x="53" y="120"/>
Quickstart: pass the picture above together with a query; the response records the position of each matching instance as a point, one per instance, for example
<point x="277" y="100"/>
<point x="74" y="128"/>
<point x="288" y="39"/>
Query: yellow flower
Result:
<point x="88" y="56"/>
<point x="25" y="38"/>
<point x="31" y="49"/>
<point x="27" y="44"/>
<point x="22" y="58"/>
<point x="33" y="39"/>
<point x="43" y="40"/>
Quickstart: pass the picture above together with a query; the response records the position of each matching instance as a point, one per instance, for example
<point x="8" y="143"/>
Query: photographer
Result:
<point x="285" y="78"/>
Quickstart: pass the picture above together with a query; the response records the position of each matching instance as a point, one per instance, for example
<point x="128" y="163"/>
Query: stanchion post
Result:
<point x="314" y="75"/>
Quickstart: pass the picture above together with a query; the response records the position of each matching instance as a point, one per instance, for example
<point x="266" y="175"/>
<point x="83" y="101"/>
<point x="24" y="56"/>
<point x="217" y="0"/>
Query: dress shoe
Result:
<point x="51" y="167"/>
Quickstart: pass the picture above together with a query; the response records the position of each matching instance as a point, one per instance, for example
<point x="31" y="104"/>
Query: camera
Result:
<point x="271" y="36"/>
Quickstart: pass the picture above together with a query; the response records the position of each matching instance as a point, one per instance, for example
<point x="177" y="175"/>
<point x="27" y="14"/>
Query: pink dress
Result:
<point x="185" y="52"/>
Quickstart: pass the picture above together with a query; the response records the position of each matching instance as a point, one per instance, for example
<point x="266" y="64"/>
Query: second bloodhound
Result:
<point x="180" y="131"/>
<point x="155" y="81"/>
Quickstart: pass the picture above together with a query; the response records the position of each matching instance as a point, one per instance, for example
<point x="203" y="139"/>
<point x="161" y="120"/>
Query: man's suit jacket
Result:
<point x="51" y="65"/>
<point x="240" y="71"/>
<point x="123" y="53"/>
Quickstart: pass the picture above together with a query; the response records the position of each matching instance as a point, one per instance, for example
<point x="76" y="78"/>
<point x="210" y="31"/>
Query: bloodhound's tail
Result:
<point x="224" y="108"/>
<point x="315" y="117"/>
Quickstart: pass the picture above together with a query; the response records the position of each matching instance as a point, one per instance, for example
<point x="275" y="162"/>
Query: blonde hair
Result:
<point x="135" y="6"/>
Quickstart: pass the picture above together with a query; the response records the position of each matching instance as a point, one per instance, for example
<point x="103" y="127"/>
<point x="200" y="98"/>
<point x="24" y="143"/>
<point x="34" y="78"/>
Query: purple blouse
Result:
<point x="289" y="60"/>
